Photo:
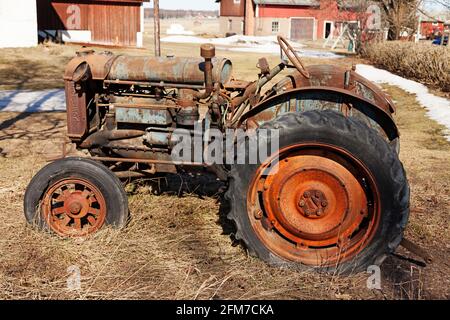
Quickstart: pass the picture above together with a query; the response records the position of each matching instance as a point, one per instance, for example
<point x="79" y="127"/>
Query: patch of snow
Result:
<point x="319" y="54"/>
<point x="184" y="39"/>
<point x="438" y="108"/>
<point x="255" y="44"/>
<point x="178" y="29"/>
<point x="32" y="101"/>
<point x="269" y="49"/>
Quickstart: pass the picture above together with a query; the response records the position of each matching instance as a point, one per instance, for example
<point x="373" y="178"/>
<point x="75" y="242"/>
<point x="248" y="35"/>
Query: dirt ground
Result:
<point x="178" y="244"/>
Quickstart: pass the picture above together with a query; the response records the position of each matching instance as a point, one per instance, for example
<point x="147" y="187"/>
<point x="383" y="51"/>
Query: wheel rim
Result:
<point x="73" y="208"/>
<point x="315" y="204"/>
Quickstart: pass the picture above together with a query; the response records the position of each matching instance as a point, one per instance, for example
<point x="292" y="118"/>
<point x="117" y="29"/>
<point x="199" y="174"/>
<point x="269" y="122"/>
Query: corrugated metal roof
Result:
<point x="289" y="2"/>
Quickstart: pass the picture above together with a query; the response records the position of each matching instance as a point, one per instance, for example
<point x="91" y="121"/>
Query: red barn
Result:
<point x="295" y="19"/>
<point x="104" y="22"/>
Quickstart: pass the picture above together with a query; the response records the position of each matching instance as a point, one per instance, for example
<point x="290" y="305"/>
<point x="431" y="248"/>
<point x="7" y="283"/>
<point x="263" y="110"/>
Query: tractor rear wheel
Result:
<point x="334" y="197"/>
<point x="75" y="197"/>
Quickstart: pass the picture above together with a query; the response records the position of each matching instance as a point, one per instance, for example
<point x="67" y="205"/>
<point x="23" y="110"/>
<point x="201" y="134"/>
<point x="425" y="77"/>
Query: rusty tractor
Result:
<point x="333" y="196"/>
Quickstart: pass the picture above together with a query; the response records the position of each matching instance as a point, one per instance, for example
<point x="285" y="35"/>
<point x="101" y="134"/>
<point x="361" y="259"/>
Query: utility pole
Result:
<point x="157" y="28"/>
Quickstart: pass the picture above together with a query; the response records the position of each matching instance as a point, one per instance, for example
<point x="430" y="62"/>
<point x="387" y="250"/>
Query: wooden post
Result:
<point x="249" y="18"/>
<point x="157" y="28"/>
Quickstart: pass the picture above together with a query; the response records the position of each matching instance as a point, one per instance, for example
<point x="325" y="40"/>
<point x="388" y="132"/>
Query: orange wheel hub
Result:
<point x="313" y="204"/>
<point x="74" y="207"/>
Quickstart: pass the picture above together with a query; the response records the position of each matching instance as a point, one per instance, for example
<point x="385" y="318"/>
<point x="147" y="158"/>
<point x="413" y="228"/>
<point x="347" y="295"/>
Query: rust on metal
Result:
<point x="364" y="105"/>
<point x="76" y="111"/>
<point x="154" y="84"/>
<point x="315" y="203"/>
<point x="319" y="207"/>
<point x="73" y="207"/>
<point x="334" y="76"/>
<point x="293" y="56"/>
<point x="170" y="70"/>
<point x="147" y="161"/>
<point x="415" y="249"/>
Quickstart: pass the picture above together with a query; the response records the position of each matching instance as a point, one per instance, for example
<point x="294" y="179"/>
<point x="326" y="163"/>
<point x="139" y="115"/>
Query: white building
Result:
<point x="18" y="23"/>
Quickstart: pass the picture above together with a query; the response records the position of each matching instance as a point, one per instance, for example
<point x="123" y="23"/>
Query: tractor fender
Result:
<point x="327" y="95"/>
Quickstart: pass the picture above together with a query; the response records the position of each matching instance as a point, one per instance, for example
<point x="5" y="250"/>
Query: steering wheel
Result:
<point x="293" y="56"/>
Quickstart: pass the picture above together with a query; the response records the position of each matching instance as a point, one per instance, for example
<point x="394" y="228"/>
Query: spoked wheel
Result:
<point x="75" y="197"/>
<point x="334" y="197"/>
<point x="74" y="206"/>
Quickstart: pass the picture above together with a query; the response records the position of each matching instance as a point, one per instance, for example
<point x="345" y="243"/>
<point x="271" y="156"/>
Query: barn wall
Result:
<point x="100" y="22"/>
<point x="283" y="14"/>
<point x="264" y="27"/>
<point x="231" y="25"/>
<point x="18" y="23"/>
<point x="229" y="8"/>
<point x="328" y="12"/>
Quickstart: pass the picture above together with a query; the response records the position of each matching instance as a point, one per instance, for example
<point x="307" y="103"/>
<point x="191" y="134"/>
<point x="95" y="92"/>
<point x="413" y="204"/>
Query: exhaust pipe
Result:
<point x="208" y="52"/>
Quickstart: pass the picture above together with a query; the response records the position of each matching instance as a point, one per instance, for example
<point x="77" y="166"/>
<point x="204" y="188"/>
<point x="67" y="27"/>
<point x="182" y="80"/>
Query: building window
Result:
<point x="275" y="26"/>
<point x="237" y="1"/>
<point x="230" y="25"/>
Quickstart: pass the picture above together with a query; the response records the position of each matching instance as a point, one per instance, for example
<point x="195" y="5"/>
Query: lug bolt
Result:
<point x="324" y="203"/>
<point x="258" y="214"/>
<point x="307" y="194"/>
<point x="319" y="213"/>
<point x="301" y="203"/>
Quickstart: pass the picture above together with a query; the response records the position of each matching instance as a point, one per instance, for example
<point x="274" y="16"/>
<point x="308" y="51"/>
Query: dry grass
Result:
<point x="423" y="62"/>
<point x="178" y="244"/>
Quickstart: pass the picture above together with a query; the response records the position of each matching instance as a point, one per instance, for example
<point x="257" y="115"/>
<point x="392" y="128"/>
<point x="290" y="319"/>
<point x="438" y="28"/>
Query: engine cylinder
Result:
<point x="168" y="69"/>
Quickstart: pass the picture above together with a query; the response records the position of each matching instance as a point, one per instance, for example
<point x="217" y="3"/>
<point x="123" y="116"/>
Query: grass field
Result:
<point x="177" y="244"/>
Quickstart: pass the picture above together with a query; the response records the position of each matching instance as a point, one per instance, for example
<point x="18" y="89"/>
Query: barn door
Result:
<point x="115" y="24"/>
<point x="302" y="28"/>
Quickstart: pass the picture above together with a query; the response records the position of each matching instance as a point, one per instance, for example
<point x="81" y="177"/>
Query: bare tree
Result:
<point x="400" y="16"/>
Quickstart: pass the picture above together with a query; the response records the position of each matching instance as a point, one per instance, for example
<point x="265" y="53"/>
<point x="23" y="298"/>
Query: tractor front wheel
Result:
<point x="334" y="197"/>
<point x="75" y="197"/>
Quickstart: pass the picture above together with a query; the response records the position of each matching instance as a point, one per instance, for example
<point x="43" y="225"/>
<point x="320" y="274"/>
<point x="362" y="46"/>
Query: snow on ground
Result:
<point x="438" y="108"/>
<point x="233" y="40"/>
<point x="178" y="29"/>
<point x="32" y="101"/>
<point x="238" y="43"/>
